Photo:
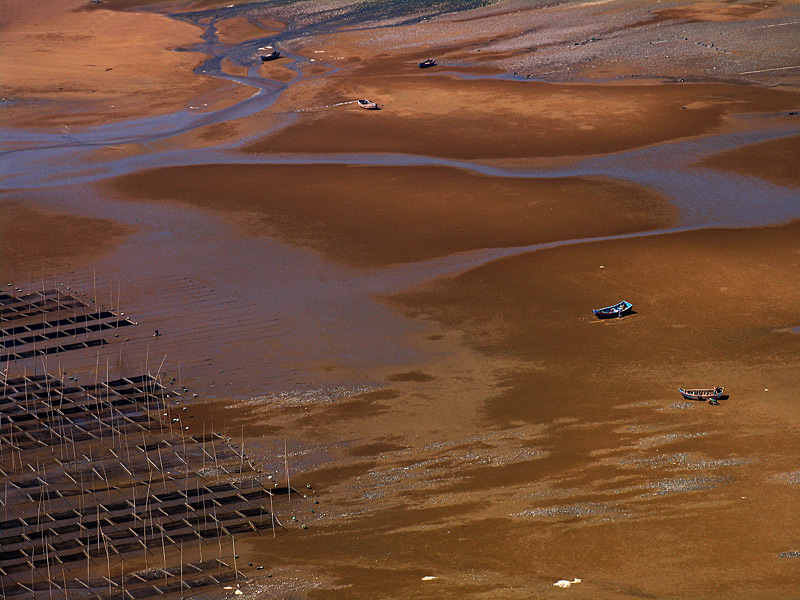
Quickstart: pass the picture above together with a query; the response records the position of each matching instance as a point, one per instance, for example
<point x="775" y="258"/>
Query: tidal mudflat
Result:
<point x="263" y="342"/>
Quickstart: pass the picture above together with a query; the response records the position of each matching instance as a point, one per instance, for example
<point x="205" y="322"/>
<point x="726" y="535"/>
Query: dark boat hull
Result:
<point x="710" y="394"/>
<point x="611" y="312"/>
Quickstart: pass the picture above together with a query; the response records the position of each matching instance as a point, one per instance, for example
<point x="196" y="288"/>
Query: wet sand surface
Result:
<point x="772" y="160"/>
<point x="400" y="300"/>
<point x="72" y="67"/>
<point x="453" y="118"/>
<point x="378" y="216"/>
<point x="33" y="241"/>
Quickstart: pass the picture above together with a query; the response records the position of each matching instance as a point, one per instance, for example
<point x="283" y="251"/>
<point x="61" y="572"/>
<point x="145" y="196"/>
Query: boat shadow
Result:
<point x="613" y="318"/>
<point x="709" y="400"/>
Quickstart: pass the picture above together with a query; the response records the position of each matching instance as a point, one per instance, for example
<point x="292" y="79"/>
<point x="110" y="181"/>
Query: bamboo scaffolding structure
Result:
<point x="101" y="436"/>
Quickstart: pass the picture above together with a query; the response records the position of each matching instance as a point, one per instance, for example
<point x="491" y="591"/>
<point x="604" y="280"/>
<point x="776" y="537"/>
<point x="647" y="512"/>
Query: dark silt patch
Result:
<point x="417" y="376"/>
<point x="376" y="449"/>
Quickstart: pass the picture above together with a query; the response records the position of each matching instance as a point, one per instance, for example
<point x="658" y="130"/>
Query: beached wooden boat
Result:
<point x="613" y="311"/>
<point x="429" y="62"/>
<point x="368" y="104"/>
<point x="271" y="56"/>
<point x="709" y="394"/>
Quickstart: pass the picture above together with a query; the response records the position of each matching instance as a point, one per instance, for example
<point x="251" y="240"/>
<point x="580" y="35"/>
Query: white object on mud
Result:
<point x="563" y="583"/>
<point x="429" y="578"/>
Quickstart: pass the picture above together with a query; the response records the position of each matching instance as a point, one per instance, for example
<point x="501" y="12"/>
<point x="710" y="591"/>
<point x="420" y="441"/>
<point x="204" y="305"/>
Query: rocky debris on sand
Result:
<point x="565" y="583"/>
<point x="792" y="478"/>
<point x="573" y="510"/>
<point x="680" y="485"/>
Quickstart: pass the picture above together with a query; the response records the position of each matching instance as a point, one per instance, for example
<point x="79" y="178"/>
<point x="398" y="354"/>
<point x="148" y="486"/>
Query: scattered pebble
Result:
<point x="679" y="485"/>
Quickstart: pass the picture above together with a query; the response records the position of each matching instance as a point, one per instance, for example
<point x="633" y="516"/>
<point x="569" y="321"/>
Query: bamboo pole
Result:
<point x="286" y="466"/>
<point x="181" y="571"/>
<point x="272" y="514"/>
<point x="47" y="561"/>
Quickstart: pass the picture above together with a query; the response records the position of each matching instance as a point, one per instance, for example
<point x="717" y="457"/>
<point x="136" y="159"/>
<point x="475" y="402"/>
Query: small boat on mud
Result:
<point x="271" y="56"/>
<point x="613" y="311"/>
<point x="368" y="104"/>
<point x="712" y="395"/>
<point x="429" y="62"/>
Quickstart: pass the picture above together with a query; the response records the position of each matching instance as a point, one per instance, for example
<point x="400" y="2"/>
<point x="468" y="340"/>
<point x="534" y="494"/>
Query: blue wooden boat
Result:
<point x="275" y="54"/>
<point x="612" y="311"/>
<point x="429" y="62"/>
<point x="712" y="395"/>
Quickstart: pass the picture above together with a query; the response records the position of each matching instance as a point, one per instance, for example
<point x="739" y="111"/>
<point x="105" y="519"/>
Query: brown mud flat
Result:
<point x="240" y="29"/>
<point x="276" y="71"/>
<point x="32" y="240"/>
<point x="448" y="117"/>
<point x="231" y="68"/>
<point x="775" y="160"/>
<point x="531" y="442"/>
<point x="717" y="11"/>
<point x="534" y="307"/>
<point x="554" y="445"/>
<point x="376" y="216"/>
<point x="121" y="65"/>
<point x="584" y="461"/>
